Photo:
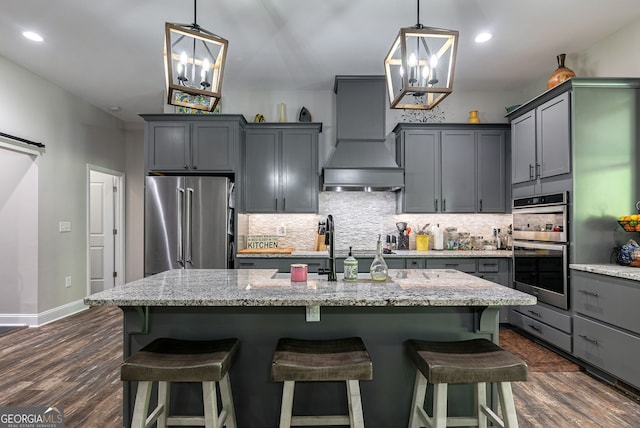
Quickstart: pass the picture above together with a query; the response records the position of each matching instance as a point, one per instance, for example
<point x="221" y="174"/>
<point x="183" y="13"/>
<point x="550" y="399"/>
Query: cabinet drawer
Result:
<point x="609" y="349"/>
<point x="548" y="316"/>
<point x="416" y="264"/>
<point x="463" y="265"/>
<point x="612" y="300"/>
<point x="283" y="264"/>
<point x="543" y="331"/>
<point x="489" y="265"/>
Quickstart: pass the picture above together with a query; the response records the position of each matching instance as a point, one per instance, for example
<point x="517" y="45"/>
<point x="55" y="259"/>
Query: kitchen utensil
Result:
<point x="423" y="230"/>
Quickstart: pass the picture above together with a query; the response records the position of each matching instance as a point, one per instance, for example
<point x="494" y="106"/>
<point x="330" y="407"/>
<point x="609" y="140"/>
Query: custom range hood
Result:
<point x="361" y="160"/>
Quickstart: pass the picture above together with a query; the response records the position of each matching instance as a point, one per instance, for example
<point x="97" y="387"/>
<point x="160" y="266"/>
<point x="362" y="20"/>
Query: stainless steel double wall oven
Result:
<point x="540" y="247"/>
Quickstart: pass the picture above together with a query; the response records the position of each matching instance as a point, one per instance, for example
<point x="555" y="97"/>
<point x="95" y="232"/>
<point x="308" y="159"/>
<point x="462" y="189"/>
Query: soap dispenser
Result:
<point x="379" y="269"/>
<point x="350" y="267"/>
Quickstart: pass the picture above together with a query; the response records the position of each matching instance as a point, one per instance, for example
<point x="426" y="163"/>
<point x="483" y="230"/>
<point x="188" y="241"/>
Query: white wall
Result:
<point x="75" y="134"/>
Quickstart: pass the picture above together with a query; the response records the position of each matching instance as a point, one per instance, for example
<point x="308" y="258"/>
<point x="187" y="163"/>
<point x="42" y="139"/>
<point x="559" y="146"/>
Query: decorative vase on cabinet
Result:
<point x="473" y="117"/>
<point x="561" y="74"/>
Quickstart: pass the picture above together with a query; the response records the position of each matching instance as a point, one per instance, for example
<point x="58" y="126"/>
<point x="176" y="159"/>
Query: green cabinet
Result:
<point x="188" y="144"/>
<point x="456" y="168"/>
<point x="281" y="173"/>
<point x="607" y="324"/>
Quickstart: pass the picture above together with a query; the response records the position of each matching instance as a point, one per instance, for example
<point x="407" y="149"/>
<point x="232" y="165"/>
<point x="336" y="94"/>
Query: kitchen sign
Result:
<point x="259" y="242"/>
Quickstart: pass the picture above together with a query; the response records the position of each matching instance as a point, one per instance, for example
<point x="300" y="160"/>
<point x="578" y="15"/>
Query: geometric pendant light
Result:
<point x="194" y="65"/>
<point x="420" y="65"/>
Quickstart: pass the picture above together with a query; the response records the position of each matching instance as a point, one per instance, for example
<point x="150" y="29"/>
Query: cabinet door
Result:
<point x="261" y="171"/>
<point x="299" y="176"/>
<point x="554" y="137"/>
<point x="523" y="148"/>
<point x="458" y="171"/>
<point x="213" y="147"/>
<point x="421" y="172"/>
<point x="168" y="146"/>
<point x="491" y="171"/>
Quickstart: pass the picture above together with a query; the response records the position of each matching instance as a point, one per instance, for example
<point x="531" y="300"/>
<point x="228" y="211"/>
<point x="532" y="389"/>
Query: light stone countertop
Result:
<point x="625" y="272"/>
<point x="398" y="254"/>
<point x="257" y="287"/>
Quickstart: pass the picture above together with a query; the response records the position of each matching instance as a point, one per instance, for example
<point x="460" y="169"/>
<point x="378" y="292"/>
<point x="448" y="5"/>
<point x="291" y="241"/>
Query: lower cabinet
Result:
<point x="283" y="264"/>
<point x="549" y="324"/>
<point x="607" y="324"/>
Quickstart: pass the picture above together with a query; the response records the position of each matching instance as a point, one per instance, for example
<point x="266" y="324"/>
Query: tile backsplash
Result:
<point x="359" y="218"/>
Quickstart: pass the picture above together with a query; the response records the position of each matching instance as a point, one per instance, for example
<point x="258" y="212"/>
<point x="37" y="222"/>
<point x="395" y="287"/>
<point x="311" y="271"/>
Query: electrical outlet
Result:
<point x="64" y="226"/>
<point x="67" y="281"/>
<point x="281" y="231"/>
<point x="313" y="313"/>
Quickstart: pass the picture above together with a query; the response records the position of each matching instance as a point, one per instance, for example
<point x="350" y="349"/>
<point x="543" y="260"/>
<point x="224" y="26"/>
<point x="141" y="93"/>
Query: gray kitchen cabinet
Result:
<point x="541" y="144"/>
<point x="281" y="168"/>
<point x="458" y="171"/>
<point x="552" y="325"/>
<point x="283" y="264"/>
<point x="364" y="263"/>
<point x="607" y="324"/>
<point x="491" y="170"/>
<point x="188" y="144"/>
<point x="453" y="168"/>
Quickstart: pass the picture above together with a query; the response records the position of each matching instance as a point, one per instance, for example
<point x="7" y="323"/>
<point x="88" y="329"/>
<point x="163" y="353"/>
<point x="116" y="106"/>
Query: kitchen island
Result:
<point x="258" y="308"/>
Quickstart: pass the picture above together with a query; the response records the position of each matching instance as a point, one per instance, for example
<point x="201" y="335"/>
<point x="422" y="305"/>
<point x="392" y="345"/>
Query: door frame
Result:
<point x="119" y="223"/>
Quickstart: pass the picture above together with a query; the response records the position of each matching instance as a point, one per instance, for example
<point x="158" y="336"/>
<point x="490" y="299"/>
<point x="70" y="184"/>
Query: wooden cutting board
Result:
<point x="283" y="250"/>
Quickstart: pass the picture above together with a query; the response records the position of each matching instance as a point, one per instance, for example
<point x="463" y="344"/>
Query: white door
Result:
<point x="102" y="231"/>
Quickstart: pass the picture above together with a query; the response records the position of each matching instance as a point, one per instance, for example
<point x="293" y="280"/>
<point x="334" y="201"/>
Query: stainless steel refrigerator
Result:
<point x="188" y="223"/>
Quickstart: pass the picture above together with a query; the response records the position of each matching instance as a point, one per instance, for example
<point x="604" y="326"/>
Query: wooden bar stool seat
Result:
<point x="172" y="360"/>
<point x="344" y="359"/>
<point x="476" y="361"/>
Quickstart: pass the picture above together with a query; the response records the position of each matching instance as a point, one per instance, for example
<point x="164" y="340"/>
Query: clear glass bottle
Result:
<point x="379" y="268"/>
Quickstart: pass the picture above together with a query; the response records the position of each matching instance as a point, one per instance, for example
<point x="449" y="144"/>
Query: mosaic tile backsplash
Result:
<point x="359" y="218"/>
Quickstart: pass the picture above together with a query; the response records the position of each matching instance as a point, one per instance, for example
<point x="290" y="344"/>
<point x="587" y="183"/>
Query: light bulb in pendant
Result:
<point x="413" y="65"/>
<point x="182" y="67"/>
<point x="203" y="74"/>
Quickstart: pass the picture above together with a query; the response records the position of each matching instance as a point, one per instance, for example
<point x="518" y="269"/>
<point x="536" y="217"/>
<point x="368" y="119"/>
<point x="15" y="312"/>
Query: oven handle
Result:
<point x="544" y="209"/>
<point x="540" y="246"/>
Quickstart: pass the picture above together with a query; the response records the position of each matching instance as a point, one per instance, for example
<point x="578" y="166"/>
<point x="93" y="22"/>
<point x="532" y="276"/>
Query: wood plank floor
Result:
<point x="75" y="362"/>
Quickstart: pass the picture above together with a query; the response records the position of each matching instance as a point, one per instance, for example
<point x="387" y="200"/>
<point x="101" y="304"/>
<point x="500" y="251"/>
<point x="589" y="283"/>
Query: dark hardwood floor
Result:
<point x="75" y="362"/>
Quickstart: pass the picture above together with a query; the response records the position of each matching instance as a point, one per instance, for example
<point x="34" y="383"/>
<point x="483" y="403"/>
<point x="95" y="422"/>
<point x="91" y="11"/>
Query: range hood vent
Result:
<point x="361" y="160"/>
<point x="362" y="166"/>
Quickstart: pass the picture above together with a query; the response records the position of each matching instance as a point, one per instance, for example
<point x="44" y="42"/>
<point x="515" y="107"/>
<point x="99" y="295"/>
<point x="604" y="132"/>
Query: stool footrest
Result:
<point x="319" y="420"/>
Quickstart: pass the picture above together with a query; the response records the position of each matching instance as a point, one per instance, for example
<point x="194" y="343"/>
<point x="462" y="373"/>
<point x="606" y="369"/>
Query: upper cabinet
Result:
<point x="452" y="168"/>
<point x="281" y="173"/>
<point x="192" y="144"/>
<point x="541" y="142"/>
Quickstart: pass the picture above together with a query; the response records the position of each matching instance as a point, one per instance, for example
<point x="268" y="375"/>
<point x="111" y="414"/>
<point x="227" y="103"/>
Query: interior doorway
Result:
<point x="105" y="226"/>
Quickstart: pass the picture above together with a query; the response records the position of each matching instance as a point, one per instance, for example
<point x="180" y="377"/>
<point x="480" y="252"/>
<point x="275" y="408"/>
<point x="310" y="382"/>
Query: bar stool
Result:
<point x="477" y="361"/>
<point x="172" y="360"/>
<point x="344" y="359"/>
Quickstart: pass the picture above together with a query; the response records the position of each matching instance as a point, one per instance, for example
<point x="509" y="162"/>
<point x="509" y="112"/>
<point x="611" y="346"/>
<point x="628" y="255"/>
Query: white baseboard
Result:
<point x="37" y="320"/>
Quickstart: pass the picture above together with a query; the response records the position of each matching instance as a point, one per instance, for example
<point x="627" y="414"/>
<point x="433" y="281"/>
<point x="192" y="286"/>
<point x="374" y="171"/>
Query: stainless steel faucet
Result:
<point x="329" y="240"/>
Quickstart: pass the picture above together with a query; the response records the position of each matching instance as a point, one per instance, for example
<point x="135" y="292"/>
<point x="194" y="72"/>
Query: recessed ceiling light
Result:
<point x="33" y="36"/>
<point x="483" y="37"/>
<point x="114" y="108"/>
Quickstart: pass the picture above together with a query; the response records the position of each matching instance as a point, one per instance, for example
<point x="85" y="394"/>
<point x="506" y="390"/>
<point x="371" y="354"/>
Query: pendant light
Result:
<point x="419" y="66"/>
<point x="194" y="65"/>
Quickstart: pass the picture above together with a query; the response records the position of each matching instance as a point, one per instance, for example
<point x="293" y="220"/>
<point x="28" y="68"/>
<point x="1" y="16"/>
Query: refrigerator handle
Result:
<point x="187" y="258"/>
<point x="180" y="205"/>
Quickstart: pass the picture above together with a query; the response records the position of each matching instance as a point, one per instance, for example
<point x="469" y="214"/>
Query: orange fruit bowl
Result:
<point x="630" y="225"/>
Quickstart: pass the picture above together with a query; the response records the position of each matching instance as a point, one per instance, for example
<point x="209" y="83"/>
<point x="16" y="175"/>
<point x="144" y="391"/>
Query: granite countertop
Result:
<point x="398" y="254"/>
<point x="257" y="287"/>
<point x="625" y="272"/>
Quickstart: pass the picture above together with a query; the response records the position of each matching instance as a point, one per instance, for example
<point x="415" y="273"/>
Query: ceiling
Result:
<point x="110" y="52"/>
